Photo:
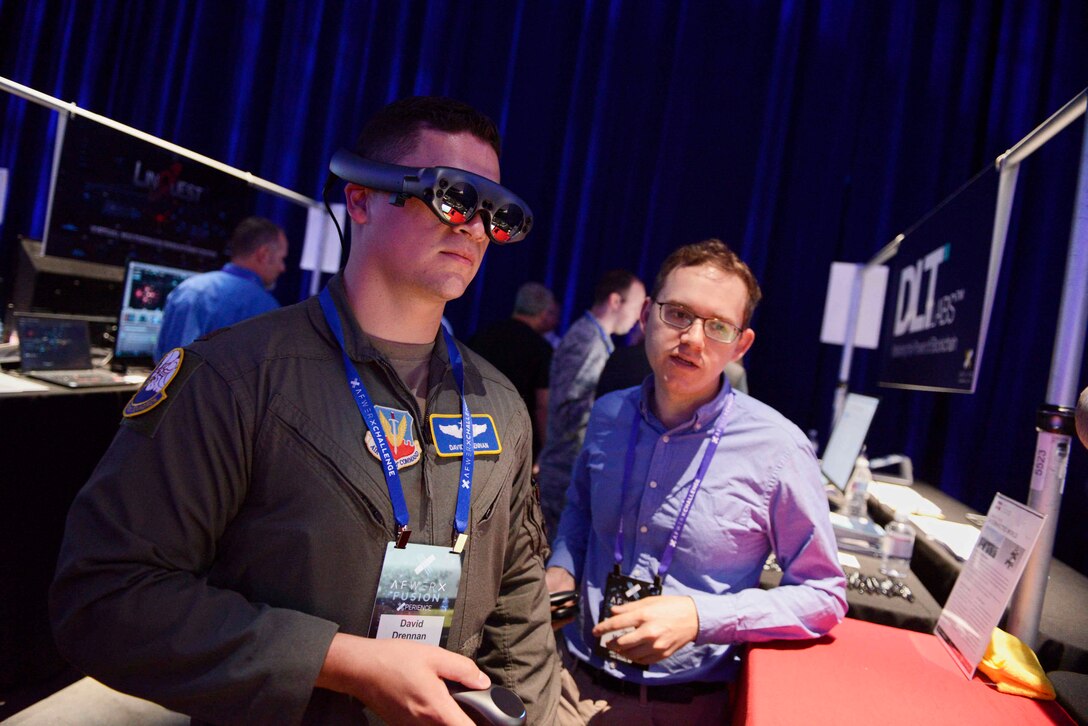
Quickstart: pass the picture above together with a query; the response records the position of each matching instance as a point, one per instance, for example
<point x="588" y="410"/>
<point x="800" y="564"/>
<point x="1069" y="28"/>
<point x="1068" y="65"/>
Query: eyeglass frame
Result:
<point x="738" y="330"/>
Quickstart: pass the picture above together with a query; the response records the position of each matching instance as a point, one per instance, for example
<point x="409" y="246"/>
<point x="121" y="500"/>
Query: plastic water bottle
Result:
<point x="857" y="489"/>
<point x="897" y="546"/>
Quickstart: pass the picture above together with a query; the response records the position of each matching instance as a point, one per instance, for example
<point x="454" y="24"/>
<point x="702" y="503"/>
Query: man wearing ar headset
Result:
<point x="297" y="508"/>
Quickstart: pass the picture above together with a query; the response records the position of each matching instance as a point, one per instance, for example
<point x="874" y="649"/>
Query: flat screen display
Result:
<point x="118" y="198"/>
<point x="53" y="342"/>
<point x="847" y="438"/>
<point x="140" y="318"/>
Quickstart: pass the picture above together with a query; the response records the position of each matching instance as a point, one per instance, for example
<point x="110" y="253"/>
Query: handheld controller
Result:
<point x="495" y="706"/>
<point x="564" y="604"/>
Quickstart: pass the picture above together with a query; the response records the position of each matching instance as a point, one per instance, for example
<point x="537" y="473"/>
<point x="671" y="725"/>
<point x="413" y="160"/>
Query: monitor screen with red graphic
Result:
<point x="117" y="198"/>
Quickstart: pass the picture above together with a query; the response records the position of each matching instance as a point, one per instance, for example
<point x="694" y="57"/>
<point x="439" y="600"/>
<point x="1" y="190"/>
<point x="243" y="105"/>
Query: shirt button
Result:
<point x="665" y="438"/>
<point x="643" y="529"/>
<point x="653" y="485"/>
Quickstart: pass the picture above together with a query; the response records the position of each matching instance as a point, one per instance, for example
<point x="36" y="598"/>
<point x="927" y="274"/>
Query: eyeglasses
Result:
<point x="678" y="316"/>
<point x="454" y="195"/>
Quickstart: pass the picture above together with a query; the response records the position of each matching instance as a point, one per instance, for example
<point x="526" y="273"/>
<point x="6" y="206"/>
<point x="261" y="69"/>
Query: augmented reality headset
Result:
<point x="454" y="195"/>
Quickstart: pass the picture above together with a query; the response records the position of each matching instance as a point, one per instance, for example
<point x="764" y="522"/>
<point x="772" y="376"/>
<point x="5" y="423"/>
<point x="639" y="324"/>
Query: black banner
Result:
<point x="933" y="311"/>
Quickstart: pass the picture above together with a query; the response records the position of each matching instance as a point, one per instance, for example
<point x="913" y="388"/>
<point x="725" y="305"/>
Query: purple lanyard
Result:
<point x="714" y="437"/>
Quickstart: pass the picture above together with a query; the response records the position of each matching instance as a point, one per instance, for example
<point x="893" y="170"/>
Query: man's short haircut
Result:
<point x="532" y="299"/>
<point x="393" y="131"/>
<point x="717" y="253"/>
<point x="250" y="234"/>
<point x="613" y="281"/>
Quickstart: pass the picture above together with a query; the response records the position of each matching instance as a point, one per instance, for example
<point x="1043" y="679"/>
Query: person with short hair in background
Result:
<point x="205" y="303"/>
<point x="576" y="366"/>
<point x="517" y="347"/>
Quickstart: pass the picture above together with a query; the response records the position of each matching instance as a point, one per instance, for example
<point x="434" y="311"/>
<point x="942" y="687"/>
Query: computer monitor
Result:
<point x="847" y="438"/>
<point x="115" y="197"/>
<point x="142" y="306"/>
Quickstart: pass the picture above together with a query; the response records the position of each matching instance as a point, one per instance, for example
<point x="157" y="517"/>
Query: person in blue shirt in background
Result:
<point x="682" y="489"/>
<point x="214" y="300"/>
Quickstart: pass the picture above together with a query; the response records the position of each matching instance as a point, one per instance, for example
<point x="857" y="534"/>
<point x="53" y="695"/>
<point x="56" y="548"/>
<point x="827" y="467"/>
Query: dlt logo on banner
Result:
<point x="909" y="318"/>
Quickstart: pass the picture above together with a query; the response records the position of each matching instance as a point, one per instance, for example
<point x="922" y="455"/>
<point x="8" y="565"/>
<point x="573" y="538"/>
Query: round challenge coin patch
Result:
<point x="153" y="392"/>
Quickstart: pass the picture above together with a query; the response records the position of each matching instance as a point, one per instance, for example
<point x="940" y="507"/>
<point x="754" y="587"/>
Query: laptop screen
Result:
<point x="140" y="319"/>
<point x="847" y="438"/>
<point x="53" y="343"/>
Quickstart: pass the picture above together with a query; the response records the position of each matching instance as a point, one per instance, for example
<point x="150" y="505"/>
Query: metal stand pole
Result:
<point x="1056" y="421"/>
<point x="42" y="99"/>
<point x="886" y="253"/>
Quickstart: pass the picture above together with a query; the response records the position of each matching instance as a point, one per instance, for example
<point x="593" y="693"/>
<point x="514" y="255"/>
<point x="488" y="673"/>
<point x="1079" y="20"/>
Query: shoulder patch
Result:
<point x="447" y="434"/>
<point x="153" y="391"/>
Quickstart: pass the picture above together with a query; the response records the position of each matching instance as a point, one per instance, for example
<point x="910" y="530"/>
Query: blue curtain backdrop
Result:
<point x="799" y="132"/>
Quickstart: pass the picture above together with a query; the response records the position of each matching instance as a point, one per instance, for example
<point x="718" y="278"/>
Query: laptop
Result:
<point x="57" y="349"/>
<point x="852" y="534"/>
<point x="847" y="438"/>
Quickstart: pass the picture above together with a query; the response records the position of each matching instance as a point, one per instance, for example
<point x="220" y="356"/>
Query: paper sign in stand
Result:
<point x="321" y="246"/>
<point x="852" y="315"/>
<point x="987" y="581"/>
<point x="3" y="193"/>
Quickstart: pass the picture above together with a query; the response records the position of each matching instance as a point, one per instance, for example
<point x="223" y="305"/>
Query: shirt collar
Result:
<point x="705" y="416"/>
<point x="246" y="274"/>
<point x="357" y="343"/>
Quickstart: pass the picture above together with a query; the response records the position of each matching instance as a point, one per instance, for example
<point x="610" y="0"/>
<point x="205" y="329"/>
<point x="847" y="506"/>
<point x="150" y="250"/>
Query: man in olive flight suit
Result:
<point x="225" y="556"/>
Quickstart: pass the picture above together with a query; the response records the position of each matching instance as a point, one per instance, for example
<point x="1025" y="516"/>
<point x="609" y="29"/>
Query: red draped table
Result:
<point x="866" y="673"/>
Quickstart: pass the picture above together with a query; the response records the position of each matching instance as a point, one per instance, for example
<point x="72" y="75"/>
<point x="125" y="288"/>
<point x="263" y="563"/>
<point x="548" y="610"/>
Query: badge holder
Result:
<point x="618" y="590"/>
<point x="417" y="593"/>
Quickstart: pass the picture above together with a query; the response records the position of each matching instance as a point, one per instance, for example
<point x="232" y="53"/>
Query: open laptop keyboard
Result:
<point x="78" y="378"/>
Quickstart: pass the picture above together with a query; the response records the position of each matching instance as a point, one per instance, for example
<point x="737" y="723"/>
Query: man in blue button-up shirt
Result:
<point x="686" y="481"/>
<point x="214" y="300"/>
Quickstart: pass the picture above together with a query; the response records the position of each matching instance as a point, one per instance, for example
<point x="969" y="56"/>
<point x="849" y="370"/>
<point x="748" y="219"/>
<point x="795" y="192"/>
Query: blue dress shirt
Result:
<point x="762" y="494"/>
<point x="211" y="301"/>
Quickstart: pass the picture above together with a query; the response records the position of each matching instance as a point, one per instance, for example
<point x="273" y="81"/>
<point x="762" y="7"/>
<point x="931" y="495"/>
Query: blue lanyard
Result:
<point x="608" y="345"/>
<point x="389" y="466"/>
<point x="714" y="437"/>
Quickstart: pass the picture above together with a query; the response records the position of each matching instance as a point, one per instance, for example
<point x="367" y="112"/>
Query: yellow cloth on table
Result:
<point x="1015" y="668"/>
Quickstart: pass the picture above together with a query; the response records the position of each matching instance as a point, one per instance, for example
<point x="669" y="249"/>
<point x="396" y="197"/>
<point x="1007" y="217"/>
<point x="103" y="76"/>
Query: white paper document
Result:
<point x="848" y="560"/>
<point x="959" y="538"/>
<point x="900" y="497"/>
<point x="985" y="584"/>
<point x="14" y="384"/>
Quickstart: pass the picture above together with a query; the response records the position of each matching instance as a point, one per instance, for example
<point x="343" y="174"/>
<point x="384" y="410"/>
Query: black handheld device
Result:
<point x="564" y="604"/>
<point x="495" y="706"/>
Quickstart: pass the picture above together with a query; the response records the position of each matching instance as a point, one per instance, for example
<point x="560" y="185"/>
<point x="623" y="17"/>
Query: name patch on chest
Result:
<point x="400" y="436"/>
<point x="448" y="435"/>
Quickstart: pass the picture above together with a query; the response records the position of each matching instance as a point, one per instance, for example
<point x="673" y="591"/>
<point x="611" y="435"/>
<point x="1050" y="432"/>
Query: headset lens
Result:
<point x="457" y="203"/>
<point x="507" y="222"/>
